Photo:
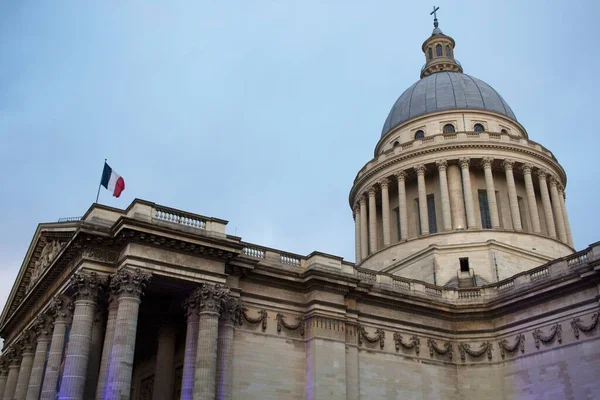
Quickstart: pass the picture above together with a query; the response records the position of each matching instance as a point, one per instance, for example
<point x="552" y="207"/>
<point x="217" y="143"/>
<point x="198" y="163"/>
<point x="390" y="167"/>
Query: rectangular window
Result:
<point x="464" y="264"/>
<point x="430" y="214"/>
<point x="484" y="210"/>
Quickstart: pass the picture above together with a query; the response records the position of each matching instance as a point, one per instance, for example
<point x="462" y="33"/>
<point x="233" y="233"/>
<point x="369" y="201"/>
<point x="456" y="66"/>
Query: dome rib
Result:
<point x="443" y="91"/>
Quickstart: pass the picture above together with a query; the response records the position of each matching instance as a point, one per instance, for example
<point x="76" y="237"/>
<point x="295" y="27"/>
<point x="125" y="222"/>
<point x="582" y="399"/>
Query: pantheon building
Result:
<point x="465" y="285"/>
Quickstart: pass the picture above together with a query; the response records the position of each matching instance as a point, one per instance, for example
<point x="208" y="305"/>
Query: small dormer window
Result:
<point x="478" y="128"/>
<point x="448" y="52"/>
<point x="430" y="52"/>
<point x="504" y="131"/>
<point x="438" y="50"/>
<point x="449" y="128"/>
<point x="419" y="134"/>
<point x="396" y="143"/>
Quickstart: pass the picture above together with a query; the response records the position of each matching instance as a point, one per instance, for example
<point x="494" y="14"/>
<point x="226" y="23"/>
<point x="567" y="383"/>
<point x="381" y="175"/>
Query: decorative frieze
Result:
<point x="126" y="282"/>
<point x="413" y="343"/>
<point x="49" y="252"/>
<point x="292" y="327"/>
<point x="433" y="347"/>
<point x="378" y="337"/>
<point x="555" y="332"/>
<point x="484" y="348"/>
<point x="577" y="325"/>
<point x="519" y="344"/>
<point x="262" y="318"/>
<point x="99" y="254"/>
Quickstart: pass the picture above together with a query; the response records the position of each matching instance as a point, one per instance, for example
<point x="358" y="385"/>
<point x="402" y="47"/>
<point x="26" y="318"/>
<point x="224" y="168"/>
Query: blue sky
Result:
<point x="262" y="112"/>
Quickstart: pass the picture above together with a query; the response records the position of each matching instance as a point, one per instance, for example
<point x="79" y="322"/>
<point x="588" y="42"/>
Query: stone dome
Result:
<point x="442" y="91"/>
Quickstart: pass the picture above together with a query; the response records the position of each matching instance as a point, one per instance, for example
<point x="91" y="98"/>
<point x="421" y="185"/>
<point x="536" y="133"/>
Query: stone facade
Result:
<point x="465" y="285"/>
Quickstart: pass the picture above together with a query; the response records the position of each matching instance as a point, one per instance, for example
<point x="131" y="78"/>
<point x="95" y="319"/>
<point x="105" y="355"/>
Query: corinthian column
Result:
<point x="372" y="221"/>
<point x="230" y="315"/>
<point x="442" y="165"/>
<point x="191" y="343"/>
<point x="457" y="203"/>
<point x="93" y="370"/>
<point x="127" y="286"/>
<point x="364" y="237"/>
<point x="14" y="359"/>
<point x="3" y="375"/>
<point x="546" y="203"/>
<point x="402" y="209"/>
<point x="561" y="198"/>
<point x="557" y="209"/>
<point x="356" y="216"/>
<point x="424" y="216"/>
<point x="87" y="286"/>
<point x="468" y="192"/>
<point x="62" y="310"/>
<point x="385" y="211"/>
<point x="27" y="348"/>
<point x="531" y="202"/>
<point x="163" y="371"/>
<point x="109" y="333"/>
<point x="486" y="163"/>
<point x="209" y="306"/>
<point x="512" y="195"/>
<point x="43" y="328"/>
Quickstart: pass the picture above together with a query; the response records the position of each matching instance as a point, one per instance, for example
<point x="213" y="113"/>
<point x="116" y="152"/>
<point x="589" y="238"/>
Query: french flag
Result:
<point x="112" y="181"/>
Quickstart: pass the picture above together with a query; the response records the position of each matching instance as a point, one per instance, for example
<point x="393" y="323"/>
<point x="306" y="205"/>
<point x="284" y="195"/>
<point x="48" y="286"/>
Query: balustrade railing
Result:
<point x="538" y="274"/>
<point x="69" y="219"/>
<point x="290" y="260"/>
<point x="506" y="285"/>
<point x="253" y="252"/>
<point x="178" y="217"/>
<point x="577" y="259"/>
<point x="469" y="293"/>
<point x="400" y="284"/>
<point x="366" y="275"/>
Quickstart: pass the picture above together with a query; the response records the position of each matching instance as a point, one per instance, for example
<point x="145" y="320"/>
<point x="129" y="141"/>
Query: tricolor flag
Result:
<point x="112" y="181"/>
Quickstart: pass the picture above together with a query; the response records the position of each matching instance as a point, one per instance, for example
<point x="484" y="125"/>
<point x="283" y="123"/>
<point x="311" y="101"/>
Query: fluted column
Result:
<point x="109" y="333"/>
<point x="512" y="195"/>
<point x="127" y="286"/>
<point x="442" y="165"/>
<point x="230" y="315"/>
<point x="486" y="163"/>
<point x="557" y="210"/>
<point x="561" y="198"/>
<point x="531" y="201"/>
<point x="27" y="347"/>
<point x="62" y="311"/>
<point x="364" y="237"/>
<point x="94" y="360"/>
<point x="385" y="212"/>
<point x="457" y="203"/>
<point x="163" y="370"/>
<point x="356" y="216"/>
<point x="209" y="306"/>
<point x="468" y="192"/>
<point x="14" y="360"/>
<point x="546" y="203"/>
<point x="87" y="286"/>
<point x="423" y="214"/>
<point x="402" y="208"/>
<point x="43" y="329"/>
<point x="3" y="376"/>
<point x="372" y="221"/>
<point x="191" y="342"/>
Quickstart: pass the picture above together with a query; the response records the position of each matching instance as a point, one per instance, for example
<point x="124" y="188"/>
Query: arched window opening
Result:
<point x="504" y="131"/>
<point x="396" y="143"/>
<point x="448" y="52"/>
<point x="449" y="128"/>
<point x="430" y="53"/>
<point x="419" y="134"/>
<point x="478" y="128"/>
<point x="438" y="50"/>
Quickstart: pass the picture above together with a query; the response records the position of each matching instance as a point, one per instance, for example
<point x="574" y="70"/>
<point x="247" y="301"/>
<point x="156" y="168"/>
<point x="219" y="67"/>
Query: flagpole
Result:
<point x="100" y="184"/>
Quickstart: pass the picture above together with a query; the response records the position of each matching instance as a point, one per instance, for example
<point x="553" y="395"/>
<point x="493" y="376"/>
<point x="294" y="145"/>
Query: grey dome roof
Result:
<point x="445" y="91"/>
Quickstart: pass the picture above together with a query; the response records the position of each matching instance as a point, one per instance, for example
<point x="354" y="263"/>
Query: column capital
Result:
<point x="508" y="164"/>
<point x="3" y="366"/>
<point x="61" y="309"/>
<point x="26" y="343"/>
<point x="210" y="297"/>
<point x="527" y="168"/>
<point x="190" y="305"/>
<point x="232" y="310"/>
<point x="420" y="169"/>
<point x="129" y="283"/>
<point x="442" y="165"/>
<point x="362" y="201"/>
<point x="486" y="162"/>
<point x="384" y="182"/>
<point x="371" y="192"/>
<point x="13" y="356"/>
<point x="43" y="327"/>
<point x="561" y="188"/>
<point x="542" y="173"/>
<point x="356" y="209"/>
<point x="553" y="181"/>
<point x="464" y="162"/>
<point x="400" y="175"/>
<point x="88" y="286"/>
